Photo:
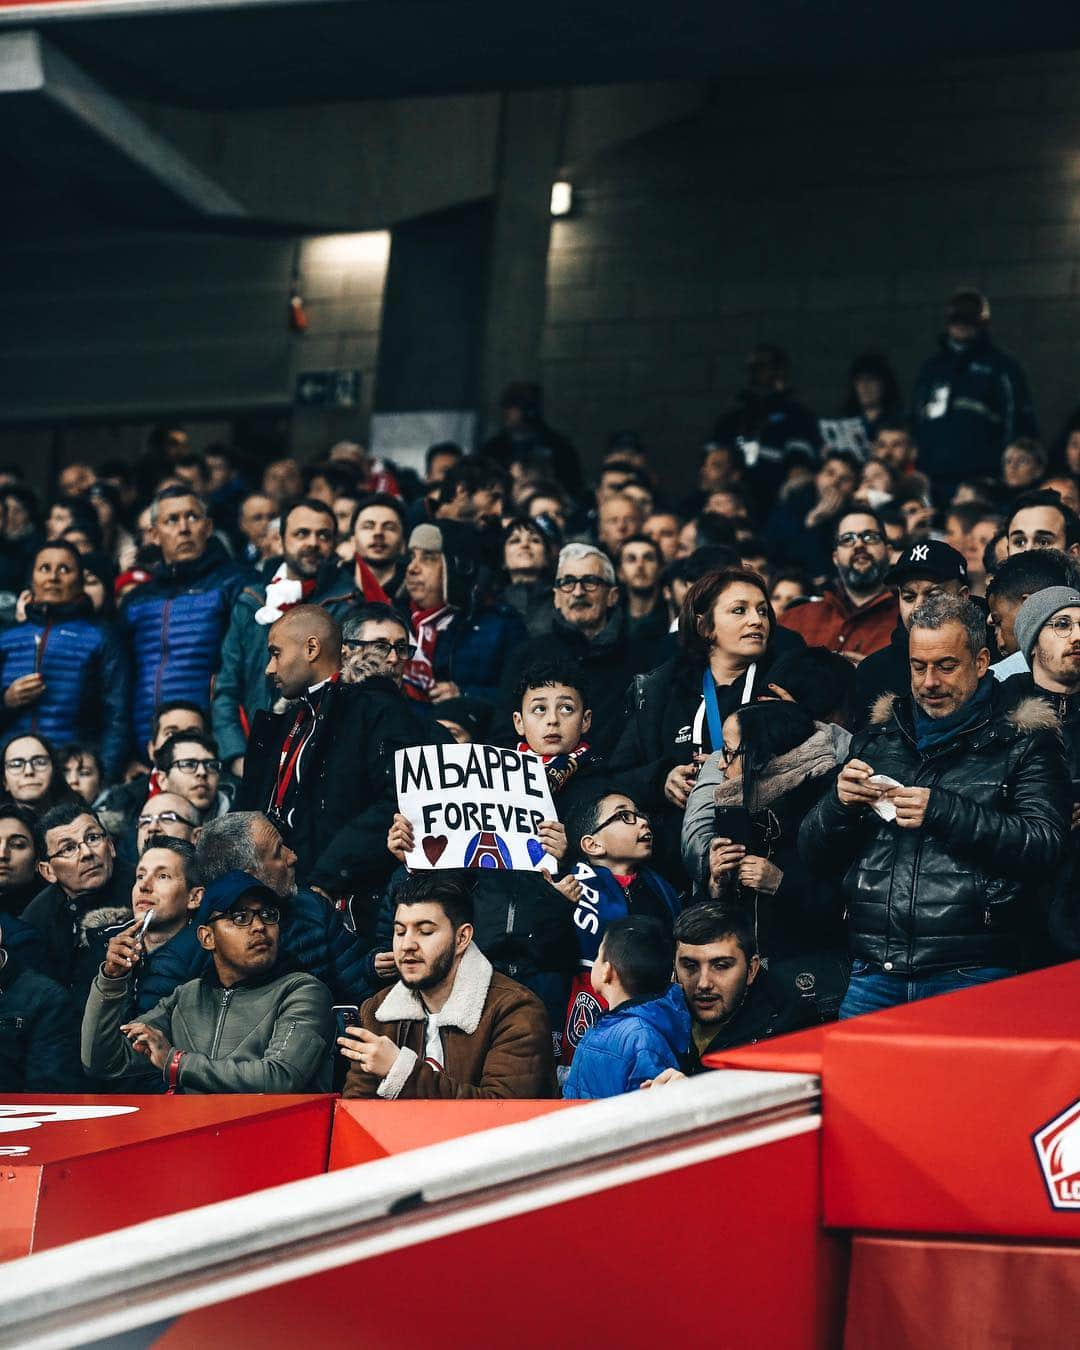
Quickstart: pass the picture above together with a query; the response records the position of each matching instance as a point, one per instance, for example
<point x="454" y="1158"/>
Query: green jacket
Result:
<point x="273" y="1034"/>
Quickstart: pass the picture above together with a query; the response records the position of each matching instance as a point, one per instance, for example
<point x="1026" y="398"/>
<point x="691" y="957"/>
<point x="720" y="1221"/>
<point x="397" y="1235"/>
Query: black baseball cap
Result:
<point x="930" y="558"/>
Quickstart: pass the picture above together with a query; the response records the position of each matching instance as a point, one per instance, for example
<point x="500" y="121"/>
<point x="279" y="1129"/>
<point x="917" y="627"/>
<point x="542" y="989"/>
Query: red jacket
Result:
<point x="834" y="622"/>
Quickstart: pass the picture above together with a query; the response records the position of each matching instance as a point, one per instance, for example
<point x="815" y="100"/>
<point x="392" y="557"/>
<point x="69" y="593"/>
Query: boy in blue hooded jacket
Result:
<point x="646" y="1027"/>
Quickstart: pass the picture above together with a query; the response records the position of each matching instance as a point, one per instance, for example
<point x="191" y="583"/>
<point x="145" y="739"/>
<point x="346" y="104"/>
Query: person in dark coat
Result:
<point x="801" y="528"/>
<point x="923" y="571"/>
<point x="591" y="628"/>
<point x="673" y="716"/>
<point x="767" y="417"/>
<point x="39" y="1031"/>
<point x="733" y="999"/>
<point x="942" y="873"/>
<point x="527" y="439"/>
<point x="19" y="877"/>
<point x="176" y="622"/>
<point x="322" y="770"/>
<point x="529" y="547"/>
<point x="970" y="400"/>
<point x="63" y="671"/>
<point x="84" y="886"/>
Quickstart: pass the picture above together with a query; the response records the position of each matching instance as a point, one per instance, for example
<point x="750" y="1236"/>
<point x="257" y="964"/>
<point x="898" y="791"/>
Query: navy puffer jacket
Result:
<point x="175" y="623"/>
<point x="87" y="684"/>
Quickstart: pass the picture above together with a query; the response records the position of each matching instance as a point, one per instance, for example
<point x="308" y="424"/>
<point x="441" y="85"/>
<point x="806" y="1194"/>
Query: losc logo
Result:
<point x="1057" y="1147"/>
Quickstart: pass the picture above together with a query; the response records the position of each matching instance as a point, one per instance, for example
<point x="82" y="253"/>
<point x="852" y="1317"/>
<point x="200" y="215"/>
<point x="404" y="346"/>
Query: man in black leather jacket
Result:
<point x="942" y="873"/>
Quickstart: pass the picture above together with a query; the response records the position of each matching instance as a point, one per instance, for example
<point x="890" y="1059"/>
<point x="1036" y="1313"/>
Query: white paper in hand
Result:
<point x="885" y="808"/>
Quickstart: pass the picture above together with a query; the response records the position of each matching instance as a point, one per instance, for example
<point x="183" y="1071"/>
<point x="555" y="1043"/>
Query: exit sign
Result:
<point x="328" y="389"/>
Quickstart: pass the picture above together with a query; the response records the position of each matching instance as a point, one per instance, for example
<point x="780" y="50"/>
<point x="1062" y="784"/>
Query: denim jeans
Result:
<point x="871" y="988"/>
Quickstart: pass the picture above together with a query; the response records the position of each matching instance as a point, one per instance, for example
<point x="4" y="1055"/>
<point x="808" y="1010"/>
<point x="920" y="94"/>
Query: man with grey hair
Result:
<point x="312" y="930"/>
<point x="175" y="623"/>
<point x="374" y="641"/>
<point x="589" y="626"/>
<point x="948" y="814"/>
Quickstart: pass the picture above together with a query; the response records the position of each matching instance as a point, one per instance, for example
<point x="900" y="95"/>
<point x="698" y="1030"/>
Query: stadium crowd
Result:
<point x="812" y="735"/>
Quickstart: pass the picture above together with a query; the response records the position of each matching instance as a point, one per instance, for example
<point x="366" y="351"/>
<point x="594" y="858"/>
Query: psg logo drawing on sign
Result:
<point x="1057" y="1147"/>
<point x="486" y="849"/>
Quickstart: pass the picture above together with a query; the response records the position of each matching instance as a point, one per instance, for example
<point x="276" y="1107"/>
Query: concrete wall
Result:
<point x="831" y="216"/>
<point x="111" y="333"/>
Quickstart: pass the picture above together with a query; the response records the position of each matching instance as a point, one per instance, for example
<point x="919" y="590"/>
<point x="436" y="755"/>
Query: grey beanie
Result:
<point x="1038" y="609"/>
<point x="428" y="537"/>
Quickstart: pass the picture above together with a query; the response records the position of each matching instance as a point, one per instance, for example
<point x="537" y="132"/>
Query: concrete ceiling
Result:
<point x="74" y="155"/>
<point x="251" y="53"/>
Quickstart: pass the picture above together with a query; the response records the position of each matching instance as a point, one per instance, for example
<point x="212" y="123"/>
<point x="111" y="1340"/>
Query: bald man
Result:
<point x="322" y="770"/>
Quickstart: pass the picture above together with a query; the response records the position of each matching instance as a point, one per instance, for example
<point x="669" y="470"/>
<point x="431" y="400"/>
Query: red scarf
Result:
<point x="419" y="673"/>
<point x="368" y="583"/>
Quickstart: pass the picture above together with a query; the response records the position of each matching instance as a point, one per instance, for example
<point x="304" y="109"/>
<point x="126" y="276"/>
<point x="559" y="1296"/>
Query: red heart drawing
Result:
<point x="434" y="847"/>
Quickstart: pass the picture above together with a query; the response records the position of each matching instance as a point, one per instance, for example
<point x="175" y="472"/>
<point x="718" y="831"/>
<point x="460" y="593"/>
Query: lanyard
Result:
<point x="289" y="756"/>
<point x="712" y="708"/>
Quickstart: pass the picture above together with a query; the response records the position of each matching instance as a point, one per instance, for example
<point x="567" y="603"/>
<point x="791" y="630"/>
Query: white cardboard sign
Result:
<point x="474" y="806"/>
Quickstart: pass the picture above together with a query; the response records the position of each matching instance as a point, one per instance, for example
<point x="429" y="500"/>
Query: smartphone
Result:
<point x="734" y="823"/>
<point x="346" y="1015"/>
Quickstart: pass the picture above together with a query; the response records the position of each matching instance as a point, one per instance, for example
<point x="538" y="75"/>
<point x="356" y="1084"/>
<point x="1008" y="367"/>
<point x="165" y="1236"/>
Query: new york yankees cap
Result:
<point x="930" y="558"/>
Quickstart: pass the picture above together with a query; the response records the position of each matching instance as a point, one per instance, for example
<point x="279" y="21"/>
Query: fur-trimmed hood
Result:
<point x="463" y="1009"/>
<point x="817" y="756"/>
<point x="106" y="917"/>
<point x="1028" y="716"/>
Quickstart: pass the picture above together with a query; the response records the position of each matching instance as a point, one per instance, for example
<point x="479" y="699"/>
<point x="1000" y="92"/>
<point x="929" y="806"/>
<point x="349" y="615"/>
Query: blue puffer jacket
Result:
<point x="87" y="683"/>
<point x="311" y="931"/>
<point x="635" y="1041"/>
<point x="175" y="624"/>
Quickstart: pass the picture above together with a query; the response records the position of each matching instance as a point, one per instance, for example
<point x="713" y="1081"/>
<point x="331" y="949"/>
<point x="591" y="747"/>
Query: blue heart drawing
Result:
<point x="536" y="851"/>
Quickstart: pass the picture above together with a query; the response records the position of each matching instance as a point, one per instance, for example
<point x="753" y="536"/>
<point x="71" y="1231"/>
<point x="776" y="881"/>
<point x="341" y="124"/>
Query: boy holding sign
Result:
<point x="552" y="719"/>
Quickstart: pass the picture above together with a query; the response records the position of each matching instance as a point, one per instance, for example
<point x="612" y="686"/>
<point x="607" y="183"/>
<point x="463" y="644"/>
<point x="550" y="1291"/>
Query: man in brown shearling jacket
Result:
<point x="451" y="1027"/>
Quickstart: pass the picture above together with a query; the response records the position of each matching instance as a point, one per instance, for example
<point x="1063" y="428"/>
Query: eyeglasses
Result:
<point x="624" y="816"/>
<point x="1062" y="625"/>
<point x="194" y="765"/>
<point x="34" y="762"/>
<point x="587" y="584"/>
<point x="730" y="756"/>
<point x="70" y="847"/>
<point x="381" y="646"/>
<point x="851" y="537"/>
<point x="243" y="918"/>
<point x="173" y="817"/>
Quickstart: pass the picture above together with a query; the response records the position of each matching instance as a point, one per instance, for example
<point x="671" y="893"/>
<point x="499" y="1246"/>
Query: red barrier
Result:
<point x="365" y="1130"/>
<point x="906" y="1292"/>
<point x="959" y="1114"/>
<point x="799" y="1052"/>
<point x="729" y="1249"/>
<point x="72" y="1167"/>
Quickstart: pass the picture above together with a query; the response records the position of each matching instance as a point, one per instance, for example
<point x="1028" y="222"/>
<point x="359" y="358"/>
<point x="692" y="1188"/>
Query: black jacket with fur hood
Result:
<point x="963" y="890"/>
